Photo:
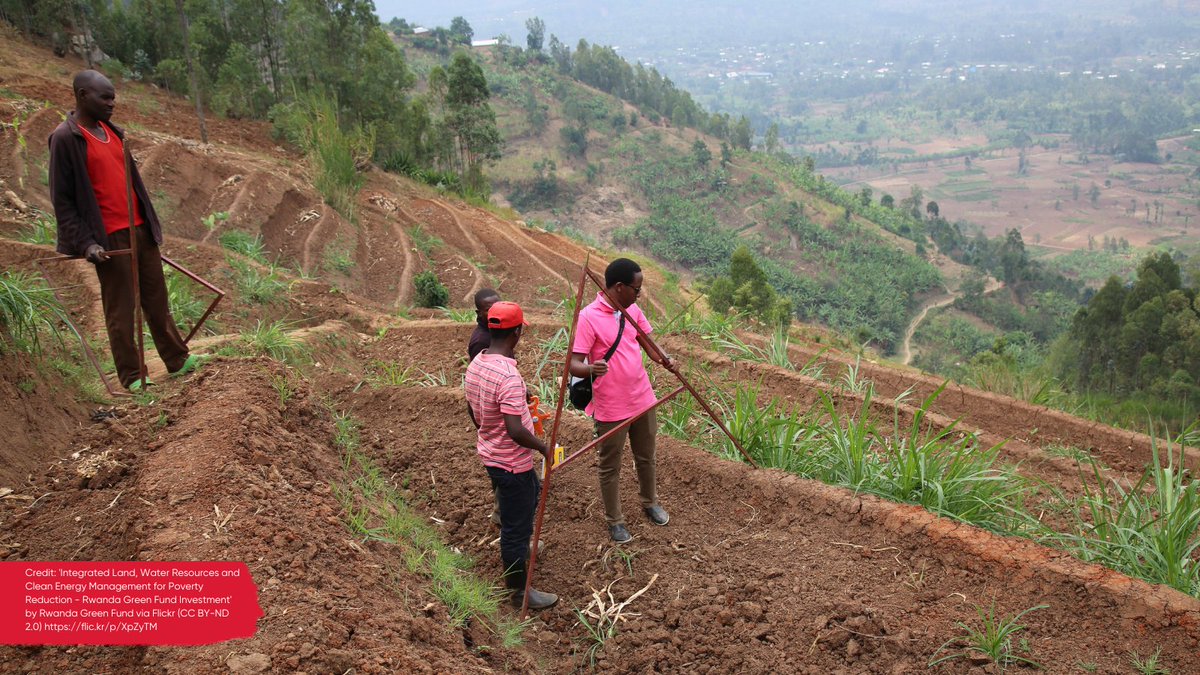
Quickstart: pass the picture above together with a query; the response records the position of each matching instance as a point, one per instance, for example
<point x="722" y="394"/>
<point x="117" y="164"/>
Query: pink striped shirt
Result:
<point x="495" y="388"/>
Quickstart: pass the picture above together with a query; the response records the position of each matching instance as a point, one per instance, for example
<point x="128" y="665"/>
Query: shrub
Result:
<point x="335" y="153"/>
<point x="430" y="291"/>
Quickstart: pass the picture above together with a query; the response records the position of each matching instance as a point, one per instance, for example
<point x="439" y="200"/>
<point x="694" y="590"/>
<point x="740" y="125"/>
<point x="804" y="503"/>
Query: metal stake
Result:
<point x="198" y="279"/>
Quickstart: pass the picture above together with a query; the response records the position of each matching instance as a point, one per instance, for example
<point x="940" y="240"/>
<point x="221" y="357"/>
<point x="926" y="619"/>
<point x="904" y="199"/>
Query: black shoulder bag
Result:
<point x="581" y="389"/>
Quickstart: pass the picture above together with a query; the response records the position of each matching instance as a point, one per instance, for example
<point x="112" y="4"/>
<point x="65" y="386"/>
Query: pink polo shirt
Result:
<point x="494" y="389"/>
<point x="625" y="389"/>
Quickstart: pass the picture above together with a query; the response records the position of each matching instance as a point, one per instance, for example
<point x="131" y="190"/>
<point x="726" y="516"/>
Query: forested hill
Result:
<point x="574" y="137"/>
<point x="616" y="154"/>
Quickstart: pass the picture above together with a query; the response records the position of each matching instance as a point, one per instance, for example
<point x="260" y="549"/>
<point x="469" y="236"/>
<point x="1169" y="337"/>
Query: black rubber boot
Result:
<point x="514" y="578"/>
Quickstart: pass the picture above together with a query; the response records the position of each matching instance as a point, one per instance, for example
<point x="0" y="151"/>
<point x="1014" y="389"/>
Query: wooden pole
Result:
<point x="133" y="265"/>
<point x="550" y="468"/>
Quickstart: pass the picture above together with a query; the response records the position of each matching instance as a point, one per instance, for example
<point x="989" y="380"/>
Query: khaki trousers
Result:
<point x="116" y="295"/>
<point x="641" y="435"/>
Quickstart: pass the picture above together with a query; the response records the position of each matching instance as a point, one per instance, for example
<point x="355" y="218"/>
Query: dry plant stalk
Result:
<point x="609" y="613"/>
<point x="221" y="520"/>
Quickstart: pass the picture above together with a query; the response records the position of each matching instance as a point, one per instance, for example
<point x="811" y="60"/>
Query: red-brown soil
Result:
<point x="863" y="585"/>
<point x="40" y="415"/>
<point x="758" y="571"/>
<point x="331" y="603"/>
<point x="763" y="572"/>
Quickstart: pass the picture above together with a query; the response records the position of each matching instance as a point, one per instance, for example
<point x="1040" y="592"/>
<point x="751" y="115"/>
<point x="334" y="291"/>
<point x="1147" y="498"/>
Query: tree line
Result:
<point x="274" y="59"/>
<point x="1137" y="338"/>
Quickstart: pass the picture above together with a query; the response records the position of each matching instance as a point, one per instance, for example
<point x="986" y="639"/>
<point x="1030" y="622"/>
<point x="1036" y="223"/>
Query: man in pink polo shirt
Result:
<point x="620" y="389"/>
<point x="496" y="403"/>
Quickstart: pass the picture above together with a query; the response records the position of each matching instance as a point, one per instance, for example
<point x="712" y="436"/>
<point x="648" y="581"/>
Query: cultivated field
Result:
<point x="1051" y="203"/>
<point x="340" y="467"/>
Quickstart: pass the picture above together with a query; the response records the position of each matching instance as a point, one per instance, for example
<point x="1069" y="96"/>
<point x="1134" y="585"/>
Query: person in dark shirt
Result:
<point x="92" y="198"/>
<point x="480" y="338"/>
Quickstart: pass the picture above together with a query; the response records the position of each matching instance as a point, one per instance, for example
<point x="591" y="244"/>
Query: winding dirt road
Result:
<point x="906" y="353"/>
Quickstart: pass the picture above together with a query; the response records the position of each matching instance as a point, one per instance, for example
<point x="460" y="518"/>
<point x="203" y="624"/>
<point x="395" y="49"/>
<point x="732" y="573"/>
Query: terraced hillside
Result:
<point x="355" y="419"/>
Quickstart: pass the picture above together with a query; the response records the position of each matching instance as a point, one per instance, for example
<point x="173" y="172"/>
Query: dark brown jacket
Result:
<point x="79" y="222"/>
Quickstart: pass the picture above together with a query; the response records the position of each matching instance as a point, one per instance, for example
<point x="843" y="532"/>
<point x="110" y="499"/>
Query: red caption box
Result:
<point x="126" y="603"/>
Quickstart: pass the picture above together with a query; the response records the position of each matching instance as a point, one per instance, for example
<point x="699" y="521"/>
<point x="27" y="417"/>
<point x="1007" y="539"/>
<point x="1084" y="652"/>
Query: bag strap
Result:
<point x="613" y="349"/>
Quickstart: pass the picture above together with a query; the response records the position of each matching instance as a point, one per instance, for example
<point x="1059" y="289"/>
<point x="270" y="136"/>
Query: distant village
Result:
<point x="817" y="61"/>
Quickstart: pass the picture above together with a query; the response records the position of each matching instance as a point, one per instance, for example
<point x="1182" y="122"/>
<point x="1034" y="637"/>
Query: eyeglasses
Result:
<point x="637" y="290"/>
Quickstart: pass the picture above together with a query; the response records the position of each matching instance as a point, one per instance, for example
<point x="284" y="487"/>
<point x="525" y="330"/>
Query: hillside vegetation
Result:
<point x="325" y="443"/>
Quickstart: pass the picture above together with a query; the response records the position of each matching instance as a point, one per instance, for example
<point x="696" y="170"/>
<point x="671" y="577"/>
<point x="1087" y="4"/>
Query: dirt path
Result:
<point x="320" y="217"/>
<point x="906" y="353"/>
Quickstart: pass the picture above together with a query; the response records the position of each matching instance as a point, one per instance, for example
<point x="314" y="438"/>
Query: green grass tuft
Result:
<point x="29" y="310"/>
<point x="244" y="243"/>
<point x="274" y="340"/>
<point x="43" y="230"/>
<point x="993" y="639"/>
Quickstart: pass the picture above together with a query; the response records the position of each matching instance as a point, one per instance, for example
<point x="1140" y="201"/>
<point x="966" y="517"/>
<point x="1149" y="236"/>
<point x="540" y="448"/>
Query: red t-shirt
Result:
<point x="106" y="169"/>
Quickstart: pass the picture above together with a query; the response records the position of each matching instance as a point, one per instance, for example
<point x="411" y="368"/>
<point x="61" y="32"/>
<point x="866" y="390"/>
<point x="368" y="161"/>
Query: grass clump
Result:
<point x="338" y="257"/>
<point x="1148" y="665"/>
<point x="944" y="470"/>
<point x="424" y="242"/>
<point x="993" y="639"/>
<point x="28" y="310"/>
<point x="244" y="243"/>
<point x="274" y="340"/>
<point x="255" y="284"/>
<point x="43" y="231"/>
<point x="458" y="315"/>
<point x="387" y="374"/>
<point x="1149" y="530"/>
<point x="185" y="306"/>
<point x="377" y="510"/>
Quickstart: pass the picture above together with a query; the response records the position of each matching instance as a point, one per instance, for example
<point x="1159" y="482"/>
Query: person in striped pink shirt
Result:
<point x="505" y="443"/>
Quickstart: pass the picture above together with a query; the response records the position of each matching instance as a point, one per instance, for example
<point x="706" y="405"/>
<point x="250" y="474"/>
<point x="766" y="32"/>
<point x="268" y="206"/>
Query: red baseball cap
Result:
<point x="506" y="315"/>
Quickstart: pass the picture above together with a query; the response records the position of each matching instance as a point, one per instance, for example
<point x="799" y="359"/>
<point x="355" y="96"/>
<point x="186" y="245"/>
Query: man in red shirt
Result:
<point x="496" y="403"/>
<point x="88" y="186"/>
